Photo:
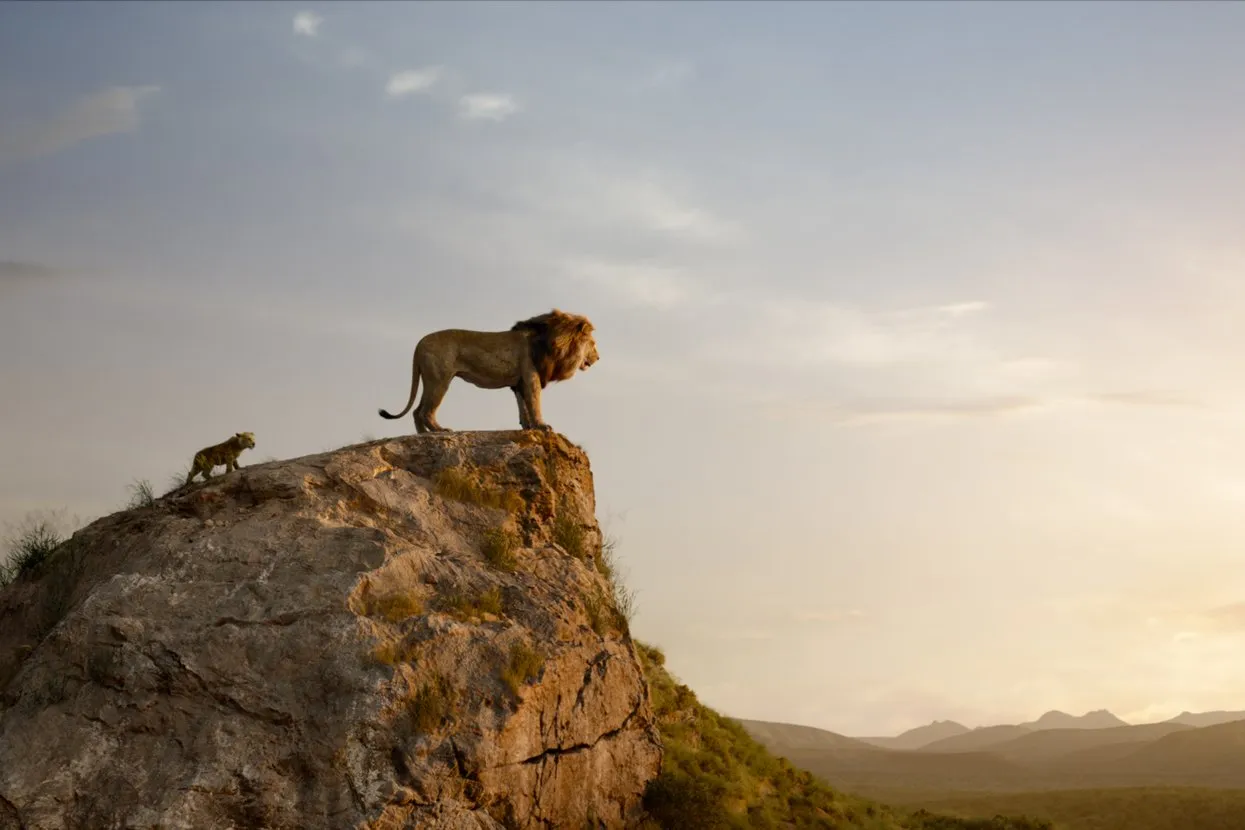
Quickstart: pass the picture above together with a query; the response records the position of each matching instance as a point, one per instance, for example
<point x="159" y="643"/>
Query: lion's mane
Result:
<point x="557" y="340"/>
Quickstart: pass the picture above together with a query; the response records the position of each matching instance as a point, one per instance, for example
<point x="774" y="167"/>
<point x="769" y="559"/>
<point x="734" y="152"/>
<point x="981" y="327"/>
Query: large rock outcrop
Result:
<point x="404" y="633"/>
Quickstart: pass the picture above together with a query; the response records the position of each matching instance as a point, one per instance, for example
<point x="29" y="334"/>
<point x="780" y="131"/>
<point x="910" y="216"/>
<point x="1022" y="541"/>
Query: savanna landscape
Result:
<point x="1091" y="772"/>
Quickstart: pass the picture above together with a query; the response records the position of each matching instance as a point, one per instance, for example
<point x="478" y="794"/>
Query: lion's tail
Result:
<point x="414" y="388"/>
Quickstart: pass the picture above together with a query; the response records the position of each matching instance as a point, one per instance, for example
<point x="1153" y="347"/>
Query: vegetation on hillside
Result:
<point x="716" y="777"/>
<point x="1139" y="808"/>
<point x="27" y="544"/>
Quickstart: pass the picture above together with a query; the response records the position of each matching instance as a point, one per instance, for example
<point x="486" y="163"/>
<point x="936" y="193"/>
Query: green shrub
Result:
<point x="678" y="800"/>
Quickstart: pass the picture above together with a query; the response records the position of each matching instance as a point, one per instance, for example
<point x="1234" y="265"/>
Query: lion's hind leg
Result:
<point x="435" y="387"/>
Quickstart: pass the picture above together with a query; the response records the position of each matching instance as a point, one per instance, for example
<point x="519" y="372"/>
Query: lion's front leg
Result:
<point x="525" y="417"/>
<point x="531" y="394"/>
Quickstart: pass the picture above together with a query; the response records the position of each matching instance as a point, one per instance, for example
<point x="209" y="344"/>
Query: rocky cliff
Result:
<point x="404" y="633"/>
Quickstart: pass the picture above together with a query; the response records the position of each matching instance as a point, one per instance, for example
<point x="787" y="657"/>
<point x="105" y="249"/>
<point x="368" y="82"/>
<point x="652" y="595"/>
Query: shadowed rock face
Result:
<point x="301" y="644"/>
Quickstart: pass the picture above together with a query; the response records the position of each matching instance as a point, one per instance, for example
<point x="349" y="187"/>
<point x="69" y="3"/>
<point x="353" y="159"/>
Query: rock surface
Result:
<point x="323" y="643"/>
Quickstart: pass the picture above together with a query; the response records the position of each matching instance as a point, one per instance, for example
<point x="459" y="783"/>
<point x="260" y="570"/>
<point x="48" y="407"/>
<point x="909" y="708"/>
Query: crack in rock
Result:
<point x="557" y="751"/>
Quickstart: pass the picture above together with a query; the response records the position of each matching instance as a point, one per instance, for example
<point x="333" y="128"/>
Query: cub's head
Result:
<point x="246" y="439"/>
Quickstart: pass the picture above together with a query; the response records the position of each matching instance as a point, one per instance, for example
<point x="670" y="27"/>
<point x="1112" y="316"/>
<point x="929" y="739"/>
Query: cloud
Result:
<point x="645" y="284"/>
<point x="487" y="106"/>
<point x="655" y="205"/>
<point x="110" y="111"/>
<point x="15" y="271"/>
<point x="307" y="23"/>
<point x="413" y="80"/>
<point x="808" y="334"/>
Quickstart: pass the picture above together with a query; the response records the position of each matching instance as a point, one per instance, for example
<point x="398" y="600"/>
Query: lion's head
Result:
<point x="246" y="440"/>
<point x="562" y="344"/>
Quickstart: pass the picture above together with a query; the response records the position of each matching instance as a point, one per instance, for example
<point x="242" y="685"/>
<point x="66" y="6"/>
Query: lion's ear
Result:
<point x="584" y="327"/>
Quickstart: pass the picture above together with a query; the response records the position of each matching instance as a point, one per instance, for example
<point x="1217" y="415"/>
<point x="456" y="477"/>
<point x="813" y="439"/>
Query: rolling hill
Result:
<point x="978" y="739"/>
<point x="1015" y="758"/>
<point x="1206" y="718"/>
<point x="1212" y="756"/>
<point x="792" y="736"/>
<point x="1050" y="744"/>
<point x="920" y="736"/>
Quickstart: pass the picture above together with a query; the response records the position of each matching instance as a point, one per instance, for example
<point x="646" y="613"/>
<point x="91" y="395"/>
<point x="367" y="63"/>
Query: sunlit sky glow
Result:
<point x="920" y="392"/>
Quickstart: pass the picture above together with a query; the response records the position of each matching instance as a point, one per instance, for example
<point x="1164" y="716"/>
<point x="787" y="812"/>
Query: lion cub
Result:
<point x="225" y="453"/>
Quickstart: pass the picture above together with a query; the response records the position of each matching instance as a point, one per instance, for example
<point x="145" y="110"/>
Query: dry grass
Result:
<point x="522" y="667"/>
<point x="141" y="495"/>
<point x="396" y="607"/>
<point x="467" y="484"/>
<point x="570" y="535"/>
<point x="30" y="542"/>
<point x="600" y="615"/>
<point x="431" y="704"/>
<point x="465" y="608"/>
<point x="498" y="547"/>
<point x="617" y="609"/>
<point x="393" y="652"/>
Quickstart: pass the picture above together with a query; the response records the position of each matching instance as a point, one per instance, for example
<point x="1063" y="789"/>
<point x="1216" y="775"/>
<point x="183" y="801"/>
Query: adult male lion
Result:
<point x="533" y="353"/>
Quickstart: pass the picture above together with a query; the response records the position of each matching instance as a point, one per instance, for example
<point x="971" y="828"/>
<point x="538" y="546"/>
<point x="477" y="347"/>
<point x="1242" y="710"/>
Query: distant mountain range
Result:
<point x="1056" y="751"/>
<point x="951" y="736"/>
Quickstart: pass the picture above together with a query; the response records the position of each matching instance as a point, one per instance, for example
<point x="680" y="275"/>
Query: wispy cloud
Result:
<point x="808" y="333"/>
<point x="108" y="112"/>
<point x="411" y="81"/>
<point x="645" y="284"/>
<point x="487" y="106"/>
<point x="307" y="23"/>
<point x="656" y="205"/>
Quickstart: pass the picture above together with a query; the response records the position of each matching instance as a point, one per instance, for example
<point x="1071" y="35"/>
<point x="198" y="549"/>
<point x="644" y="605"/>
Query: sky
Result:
<point x="922" y="378"/>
